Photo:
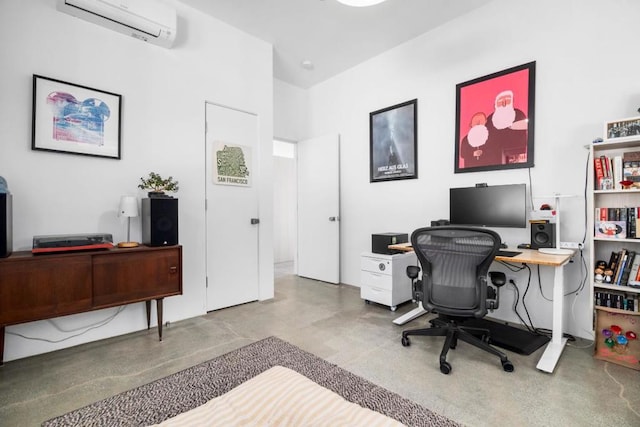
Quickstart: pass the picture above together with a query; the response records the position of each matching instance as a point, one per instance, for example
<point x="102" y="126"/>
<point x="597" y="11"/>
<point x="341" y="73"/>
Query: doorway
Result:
<point x="284" y="207"/>
<point x="307" y="208"/>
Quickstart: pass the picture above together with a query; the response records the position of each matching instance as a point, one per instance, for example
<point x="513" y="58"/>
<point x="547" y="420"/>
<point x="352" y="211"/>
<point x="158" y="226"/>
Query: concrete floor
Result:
<point x="335" y="324"/>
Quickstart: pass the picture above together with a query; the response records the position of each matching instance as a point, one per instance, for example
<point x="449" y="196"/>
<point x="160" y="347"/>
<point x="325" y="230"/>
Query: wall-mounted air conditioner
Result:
<point x="147" y="20"/>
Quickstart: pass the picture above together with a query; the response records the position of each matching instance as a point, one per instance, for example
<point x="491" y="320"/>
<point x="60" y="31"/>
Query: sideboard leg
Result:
<point x="159" y="310"/>
<point x="1" y="345"/>
<point x="148" y="304"/>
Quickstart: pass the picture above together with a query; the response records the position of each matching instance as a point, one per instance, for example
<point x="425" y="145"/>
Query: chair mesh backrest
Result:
<point x="455" y="262"/>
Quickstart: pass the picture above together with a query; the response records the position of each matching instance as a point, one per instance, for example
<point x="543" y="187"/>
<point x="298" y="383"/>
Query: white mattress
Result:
<point x="280" y="397"/>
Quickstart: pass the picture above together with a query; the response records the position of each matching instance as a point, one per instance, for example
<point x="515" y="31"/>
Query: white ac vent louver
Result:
<point x="147" y="20"/>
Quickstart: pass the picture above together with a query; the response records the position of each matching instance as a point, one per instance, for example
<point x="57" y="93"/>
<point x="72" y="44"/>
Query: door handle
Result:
<point x="333" y="218"/>
<point x="255" y="221"/>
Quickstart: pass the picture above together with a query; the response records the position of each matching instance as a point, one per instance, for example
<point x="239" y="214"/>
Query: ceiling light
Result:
<point x="360" y="3"/>
<point x="307" y="64"/>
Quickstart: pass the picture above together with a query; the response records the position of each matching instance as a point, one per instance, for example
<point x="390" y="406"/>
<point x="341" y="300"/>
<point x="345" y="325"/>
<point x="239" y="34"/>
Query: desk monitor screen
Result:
<point x="489" y="206"/>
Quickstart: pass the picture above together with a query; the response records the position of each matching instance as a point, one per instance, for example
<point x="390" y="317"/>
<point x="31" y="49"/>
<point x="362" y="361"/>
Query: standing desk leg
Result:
<point x="413" y="314"/>
<point x="554" y="349"/>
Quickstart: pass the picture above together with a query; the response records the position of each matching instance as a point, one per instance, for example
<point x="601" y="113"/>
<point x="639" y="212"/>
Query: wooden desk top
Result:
<point x="528" y="256"/>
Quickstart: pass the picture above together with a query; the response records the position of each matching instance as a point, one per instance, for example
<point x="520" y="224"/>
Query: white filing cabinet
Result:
<point x="383" y="278"/>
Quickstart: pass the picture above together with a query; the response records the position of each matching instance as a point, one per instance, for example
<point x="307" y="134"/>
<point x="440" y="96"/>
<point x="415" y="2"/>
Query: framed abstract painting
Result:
<point x="75" y="119"/>
<point x="393" y="142"/>
<point x="495" y="121"/>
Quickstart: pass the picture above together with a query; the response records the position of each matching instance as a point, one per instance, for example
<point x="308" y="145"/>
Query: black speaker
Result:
<point x="6" y="225"/>
<point x="543" y="235"/>
<point x="160" y="221"/>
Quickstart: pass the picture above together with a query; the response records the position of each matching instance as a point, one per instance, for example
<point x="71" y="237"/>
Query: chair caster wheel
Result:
<point x="405" y="342"/>
<point x="507" y="366"/>
<point x="445" y="368"/>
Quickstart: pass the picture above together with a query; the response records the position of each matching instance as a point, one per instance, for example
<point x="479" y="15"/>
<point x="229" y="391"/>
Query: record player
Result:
<point x="71" y="242"/>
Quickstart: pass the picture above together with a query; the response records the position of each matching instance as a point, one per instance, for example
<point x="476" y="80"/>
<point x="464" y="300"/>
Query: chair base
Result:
<point x="445" y="326"/>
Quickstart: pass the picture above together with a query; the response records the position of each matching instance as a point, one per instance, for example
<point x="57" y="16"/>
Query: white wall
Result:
<point x="587" y="72"/>
<point x="164" y="93"/>
<point x="290" y="114"/>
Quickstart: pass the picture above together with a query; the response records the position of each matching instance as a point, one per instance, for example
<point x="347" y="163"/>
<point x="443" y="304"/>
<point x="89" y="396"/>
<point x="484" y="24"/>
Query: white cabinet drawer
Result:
<point x="381" y="296"/>
<point x="377" y="265"/>
<point x="383" y="278"/>
<point x="376" y="280"/>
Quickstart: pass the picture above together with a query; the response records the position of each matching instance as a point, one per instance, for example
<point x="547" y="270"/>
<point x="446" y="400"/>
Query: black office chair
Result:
<point x="455" y="263"/>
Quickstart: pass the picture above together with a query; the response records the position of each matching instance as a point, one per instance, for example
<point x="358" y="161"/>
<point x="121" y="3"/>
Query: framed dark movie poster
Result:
<point x="495" y="120"/>
<point x="393" y="142"/>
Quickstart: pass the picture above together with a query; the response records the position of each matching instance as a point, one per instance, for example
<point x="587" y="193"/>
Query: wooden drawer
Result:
<point x="136" y="276"/>
<point x="34" y="288"/>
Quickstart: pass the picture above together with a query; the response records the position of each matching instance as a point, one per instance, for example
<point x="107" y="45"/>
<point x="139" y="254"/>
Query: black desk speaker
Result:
<point x="160" y="221"/>
<point x="6" y="225"/>
<point x="543" y="235"/>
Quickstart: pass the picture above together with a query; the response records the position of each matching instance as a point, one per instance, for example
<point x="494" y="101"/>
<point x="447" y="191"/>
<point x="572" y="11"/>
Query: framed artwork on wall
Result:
<point x="70" y="118"/>
<point x="393" y="142"/>
<point x="622" y="129"/>
<point x="495" y="121"/>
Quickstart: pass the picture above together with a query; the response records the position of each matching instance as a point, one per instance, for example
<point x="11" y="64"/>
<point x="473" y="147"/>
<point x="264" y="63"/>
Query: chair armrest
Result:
<point x="498" y="278"/>
<point x="413" y="271"/>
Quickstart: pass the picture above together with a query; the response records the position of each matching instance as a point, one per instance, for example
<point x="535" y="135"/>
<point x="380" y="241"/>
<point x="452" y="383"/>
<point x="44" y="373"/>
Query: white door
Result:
<point x="231" y="207"/>
<point x="319" y="208"/>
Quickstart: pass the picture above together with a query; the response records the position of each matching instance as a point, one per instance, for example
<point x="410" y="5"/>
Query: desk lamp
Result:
<point x="128" y="209"/>
<point x="557" y="250"/>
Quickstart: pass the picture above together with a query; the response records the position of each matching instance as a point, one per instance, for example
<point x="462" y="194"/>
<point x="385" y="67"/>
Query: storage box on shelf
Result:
<point x="615" y="241"/>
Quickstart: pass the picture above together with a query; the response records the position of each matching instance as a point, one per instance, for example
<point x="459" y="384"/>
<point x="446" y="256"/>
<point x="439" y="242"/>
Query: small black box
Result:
<point x="380" y="242"/>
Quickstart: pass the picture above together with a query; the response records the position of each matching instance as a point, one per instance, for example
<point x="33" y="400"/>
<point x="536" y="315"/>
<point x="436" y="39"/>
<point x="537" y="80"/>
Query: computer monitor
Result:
<point x="489" y="206"/>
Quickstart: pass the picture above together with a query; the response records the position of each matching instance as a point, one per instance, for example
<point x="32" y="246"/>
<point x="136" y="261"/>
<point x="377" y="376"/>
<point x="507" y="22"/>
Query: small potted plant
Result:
<point x="157" y="185"/>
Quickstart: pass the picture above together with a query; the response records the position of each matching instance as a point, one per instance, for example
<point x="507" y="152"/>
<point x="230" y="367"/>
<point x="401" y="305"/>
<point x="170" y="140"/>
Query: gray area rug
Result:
<point x="155" y="402"/>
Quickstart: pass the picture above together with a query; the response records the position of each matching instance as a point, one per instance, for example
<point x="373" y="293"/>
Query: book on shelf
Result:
<point x="633" y="273"/>
<point x="616" y="223"/>
<point x="620" y="267"/>
<point x="599" y="172"/>
<point x="634" y="283"/>
<point x="626" y="269"/>
<point x="617" y="172"/>
<point x="618" y="300"/>
<point x="606" y="165"/>
<point x="631" y="166"/>
<point x="609" y="171"/>
<point x="613" y="261"/>
<point x="603" y="174"/>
